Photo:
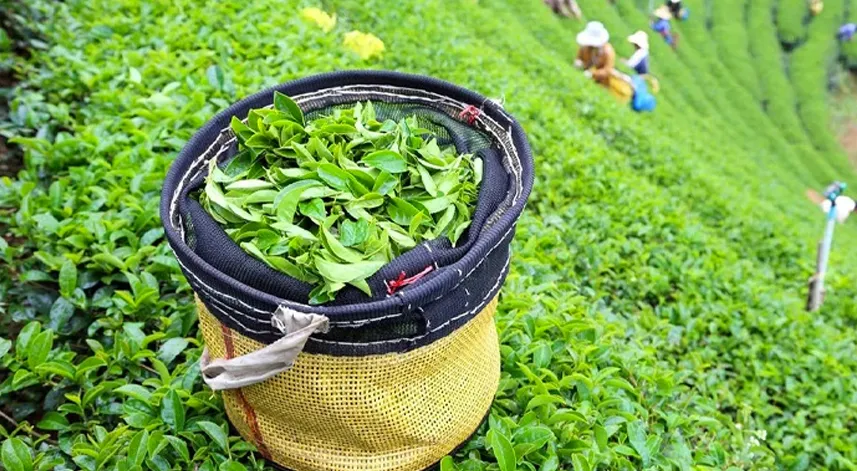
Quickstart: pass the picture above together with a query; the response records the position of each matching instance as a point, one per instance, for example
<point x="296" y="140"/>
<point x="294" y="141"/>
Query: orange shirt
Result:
<point x="602" y="61"/>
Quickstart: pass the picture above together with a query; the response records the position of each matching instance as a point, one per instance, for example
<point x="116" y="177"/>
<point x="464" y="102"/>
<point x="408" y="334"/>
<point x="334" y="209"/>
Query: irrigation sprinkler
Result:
<point x="816" y="282"/>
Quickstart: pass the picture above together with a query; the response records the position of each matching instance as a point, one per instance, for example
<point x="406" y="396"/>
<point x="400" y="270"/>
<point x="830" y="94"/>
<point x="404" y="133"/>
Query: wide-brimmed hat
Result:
<point x="595" y="34"/>
<point x="663" y="12"/>
<point x="640" y="38"/>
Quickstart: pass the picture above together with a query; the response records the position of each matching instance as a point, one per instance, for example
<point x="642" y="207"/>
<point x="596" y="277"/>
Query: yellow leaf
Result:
<point x="365" y="45"/>
<point x="323" y="20"/>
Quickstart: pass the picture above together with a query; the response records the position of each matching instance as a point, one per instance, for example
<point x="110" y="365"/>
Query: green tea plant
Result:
<point x="809" y="68"/>
<point x="827" y="163"/>
<point x="791" y="16"/>
<point x="728" y="20"/>
<point x="798" y="160"/>
<point x="848" y="49"/>
<point x="652" y="317"/>
<point x="780" y="101"/>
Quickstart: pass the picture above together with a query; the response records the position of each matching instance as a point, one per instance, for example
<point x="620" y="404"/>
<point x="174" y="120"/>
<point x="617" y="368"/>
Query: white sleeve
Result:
<point x="637" y="57"/>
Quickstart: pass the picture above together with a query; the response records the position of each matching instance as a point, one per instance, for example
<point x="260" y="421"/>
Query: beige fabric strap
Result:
<point x="257" y="366"/>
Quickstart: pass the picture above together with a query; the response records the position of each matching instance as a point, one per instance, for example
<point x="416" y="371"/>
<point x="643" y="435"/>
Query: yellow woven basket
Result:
<point x="387" y="412"/>
<point x="391" y="381"/>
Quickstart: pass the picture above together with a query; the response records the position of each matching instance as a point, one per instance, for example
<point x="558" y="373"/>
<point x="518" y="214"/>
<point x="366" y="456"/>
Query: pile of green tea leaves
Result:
<point x="332" y="200"/>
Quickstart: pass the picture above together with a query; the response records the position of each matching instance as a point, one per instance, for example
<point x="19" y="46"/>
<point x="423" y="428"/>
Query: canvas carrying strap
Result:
<point x="259" y="365"/>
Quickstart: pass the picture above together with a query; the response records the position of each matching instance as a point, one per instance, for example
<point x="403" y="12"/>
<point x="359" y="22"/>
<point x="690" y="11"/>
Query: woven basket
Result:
<point x="388" y="382"/>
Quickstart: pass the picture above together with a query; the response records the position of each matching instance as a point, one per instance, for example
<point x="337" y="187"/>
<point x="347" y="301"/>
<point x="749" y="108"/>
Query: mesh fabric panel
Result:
<point x="389" y="412"/>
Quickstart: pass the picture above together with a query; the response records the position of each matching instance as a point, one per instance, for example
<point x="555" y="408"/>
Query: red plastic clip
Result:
<point x="470" y="114"/>
<point x="401" y="281"/>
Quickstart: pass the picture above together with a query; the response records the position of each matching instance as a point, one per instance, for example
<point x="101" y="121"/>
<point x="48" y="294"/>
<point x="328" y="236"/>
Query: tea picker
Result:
<point x="838" y="208"/>
<point x="566" y="8"/>
<point x="676" y="8"/>
<point x="679" y="11"/>
<point x="661" y="25"/>
<point x="846" y="32"/>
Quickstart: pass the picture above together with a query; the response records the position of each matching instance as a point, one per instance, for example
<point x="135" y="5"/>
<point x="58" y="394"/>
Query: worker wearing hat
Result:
<point x="847" y="31"/>
<point x="675" y="8"/>
<point x="661" y="25"/>
<point x="596" y="55"/>
<point x="639" y="61"/>
<point x="567" y="8"/>
<point x="815" y="7"/>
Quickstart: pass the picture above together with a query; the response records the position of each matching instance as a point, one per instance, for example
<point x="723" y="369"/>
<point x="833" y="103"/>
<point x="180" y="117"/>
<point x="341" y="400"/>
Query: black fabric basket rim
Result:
<point x="406" y="299"/>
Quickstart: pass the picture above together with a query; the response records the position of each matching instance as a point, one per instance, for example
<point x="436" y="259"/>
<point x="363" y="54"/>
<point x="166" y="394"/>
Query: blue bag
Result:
<point x="643" y="100"/>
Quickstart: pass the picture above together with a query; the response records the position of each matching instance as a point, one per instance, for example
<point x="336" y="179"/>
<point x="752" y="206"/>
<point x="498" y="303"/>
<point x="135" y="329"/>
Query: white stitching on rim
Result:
<point x="482" y="260"/>
<point x="175" y="200"/>
<point x="231" y="298"/>
<point x="220" y="151"/>
<point x="226" y="307"/>
<point x="238" y="322"/>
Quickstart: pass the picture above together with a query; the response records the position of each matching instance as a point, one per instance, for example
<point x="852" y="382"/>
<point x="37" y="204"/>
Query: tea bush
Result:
<point x="763" y="128"/>
<point x="728" y="28"/>
<point x="780" y="101"/>
<point x="652" y="317"/>
<point x="791" y="15"/>
<point x="809" y="68"/>
<point x="809" y="64"/>
<point x="849" y="48"/>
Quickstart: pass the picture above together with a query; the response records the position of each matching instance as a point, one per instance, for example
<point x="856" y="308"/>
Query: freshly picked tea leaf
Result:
<point x="331" y="200"/>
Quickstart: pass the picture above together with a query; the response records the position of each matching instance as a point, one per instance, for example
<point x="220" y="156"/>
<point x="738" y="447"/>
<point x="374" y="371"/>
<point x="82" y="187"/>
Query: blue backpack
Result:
<point x="643" y="100"/>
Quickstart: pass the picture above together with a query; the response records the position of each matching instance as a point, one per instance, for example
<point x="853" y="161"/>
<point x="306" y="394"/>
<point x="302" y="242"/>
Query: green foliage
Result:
<point x="331" y="201"/>
<point x="849" y="48"/>
<point x="728" y="29"/>
<point x="791" y="17"/>
<point x="701" y="53"/>
<point x="782" y="98"/>
<point x="780" y="101"/>
<point x="653" y="312"/>
<point x="809" y="68"/>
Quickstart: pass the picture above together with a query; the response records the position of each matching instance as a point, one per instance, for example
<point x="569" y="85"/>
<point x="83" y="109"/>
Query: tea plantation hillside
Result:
<point x="654" y="314"/>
